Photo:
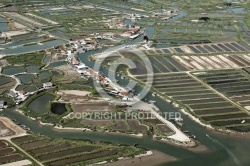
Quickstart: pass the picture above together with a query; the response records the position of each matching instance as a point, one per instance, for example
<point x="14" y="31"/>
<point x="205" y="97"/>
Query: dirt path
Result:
<point x="38" y="162"/>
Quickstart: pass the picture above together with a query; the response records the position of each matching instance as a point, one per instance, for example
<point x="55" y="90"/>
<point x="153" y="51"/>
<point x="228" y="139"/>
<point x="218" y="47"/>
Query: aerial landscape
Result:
<point x="124" y="82"/>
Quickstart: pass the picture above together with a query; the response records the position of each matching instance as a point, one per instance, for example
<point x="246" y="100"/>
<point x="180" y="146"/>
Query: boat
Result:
<point x="192" y="136"/>
<point x="152" y="101"/>
<point x="154" y="94"/>
<point x="134" y="36"/>
<point x="178" y="119"/>
<point x="135" y="144"/>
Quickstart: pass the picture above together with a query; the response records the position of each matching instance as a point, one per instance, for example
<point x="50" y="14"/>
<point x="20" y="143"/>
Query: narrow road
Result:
<point x="37" y="162"/>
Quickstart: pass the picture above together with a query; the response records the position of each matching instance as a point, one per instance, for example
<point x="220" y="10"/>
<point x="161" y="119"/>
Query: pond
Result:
<point x="55" y="73"/>
<point x="26" y="88"/>
<point x="5" y="99"/>
<point x="25" y="78"/>
<point x="38" y="106"/>
<point x="19" y="43"/>
<point x="239" y="10"/>
<point x="58" y="108"/>
<point x="13" y="71"/>
<point x="4" y="27"/>
<point x="161" y="45"/>
<point x="4" y="80"/>
<point x="56" y="64"/>
<point x="30" y="89"/>
<point x="20" y="87"/>
<point x="61" y="35"/>
<point x="32" y="69"/>
<point x="2" y="19"/>
<point x="62" y="29"/>
<point x="47" y="59"/>
<point x="45" y="75"/>
<point x="32" y="48"/>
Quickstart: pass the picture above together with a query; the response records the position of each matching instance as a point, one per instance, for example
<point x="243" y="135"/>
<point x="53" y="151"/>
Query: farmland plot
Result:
<point x="214" y="62"/>
<point x="63" y="151"/>
<point x="202" y="101"/>
<point x="160" y="64"/>
<point x="232" y="83"/>
<point x="10" y="155"/>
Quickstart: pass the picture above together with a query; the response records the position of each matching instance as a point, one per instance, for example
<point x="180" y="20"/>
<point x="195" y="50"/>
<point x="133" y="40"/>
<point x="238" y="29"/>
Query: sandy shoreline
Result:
<point x="11" y="125"/>
<point x="155" y="159"/>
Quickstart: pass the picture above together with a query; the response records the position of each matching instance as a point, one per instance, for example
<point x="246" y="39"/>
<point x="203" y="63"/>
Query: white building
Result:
<point x="81" y="71"/>
<point x="80" y="66"/>
<point x="47" y="85"/>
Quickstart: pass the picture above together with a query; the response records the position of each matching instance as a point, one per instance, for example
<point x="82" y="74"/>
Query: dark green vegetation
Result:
<point x="28" y="68"/>
<point x="39" y="106"/>
<point x="124" y="124"/>
<point x="52" y="151"/>
<point x="26" y="59"/>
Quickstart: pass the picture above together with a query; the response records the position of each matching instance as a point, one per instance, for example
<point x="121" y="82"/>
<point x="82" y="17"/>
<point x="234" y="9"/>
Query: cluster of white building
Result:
<point x="87" y="72"/>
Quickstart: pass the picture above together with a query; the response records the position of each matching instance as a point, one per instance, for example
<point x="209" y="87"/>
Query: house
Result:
<point x="126" y="34"/>
<point x="124" y="93"/>
<point x="108" y="35"/>
<point x="82" y="42"/>
<point x="1" y="104"/>
<point x="116" y="22"/>
<point x="75" y="62"/>
<point x="91" y="42"/>
<point x="22" y="92"/>
<point x="135" y="30"/>
<point x="125" y="98"/>
<point x="48" y="52"/>
<point x="47" y="85"/>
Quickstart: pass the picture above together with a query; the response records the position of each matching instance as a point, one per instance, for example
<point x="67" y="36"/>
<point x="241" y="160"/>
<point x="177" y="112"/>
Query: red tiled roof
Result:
<point x="22" y="91"/>
<point x="124" y="93"/>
